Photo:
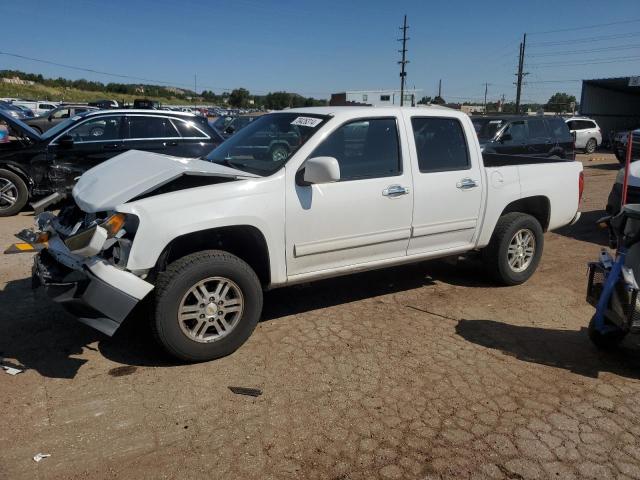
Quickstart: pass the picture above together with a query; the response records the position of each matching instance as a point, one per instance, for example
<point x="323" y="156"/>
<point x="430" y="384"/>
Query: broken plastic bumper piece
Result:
<point x="89" y="292"/>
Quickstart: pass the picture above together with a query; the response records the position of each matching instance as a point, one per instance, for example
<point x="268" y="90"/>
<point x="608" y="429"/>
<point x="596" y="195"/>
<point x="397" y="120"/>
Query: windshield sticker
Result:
<point x="77" y="117"/>
<point x="307" y="122"/>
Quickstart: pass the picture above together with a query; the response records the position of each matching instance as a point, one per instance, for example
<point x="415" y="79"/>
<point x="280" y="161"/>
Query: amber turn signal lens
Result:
<point x="114" y="223"/>
<point x="43" y="237"/>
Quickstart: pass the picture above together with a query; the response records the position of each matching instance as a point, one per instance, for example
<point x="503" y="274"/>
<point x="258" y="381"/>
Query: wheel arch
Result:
<point x="538" y="206"/>
<point x="22" y="173"/>
<point x="246" y="242"/>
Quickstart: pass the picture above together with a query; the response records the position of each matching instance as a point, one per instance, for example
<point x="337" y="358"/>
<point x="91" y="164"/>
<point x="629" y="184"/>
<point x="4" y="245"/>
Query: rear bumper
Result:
<point x="89" y="292"/>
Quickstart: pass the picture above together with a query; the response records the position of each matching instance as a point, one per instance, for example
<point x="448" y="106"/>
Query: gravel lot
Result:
<point x="425" y="371"/>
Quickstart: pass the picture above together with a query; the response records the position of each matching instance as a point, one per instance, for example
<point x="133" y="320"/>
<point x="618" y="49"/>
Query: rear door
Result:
<point x="539" y="141"/>
<point x="151" y="133"/>
<point x="194" y="141"/>
<point x="447" y="185"/>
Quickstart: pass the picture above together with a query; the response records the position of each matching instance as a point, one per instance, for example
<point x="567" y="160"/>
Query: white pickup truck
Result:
<point x="295" y="196"/>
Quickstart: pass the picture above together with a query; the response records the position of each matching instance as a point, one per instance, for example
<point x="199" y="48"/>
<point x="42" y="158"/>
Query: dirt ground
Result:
<point x="426" y="371"/>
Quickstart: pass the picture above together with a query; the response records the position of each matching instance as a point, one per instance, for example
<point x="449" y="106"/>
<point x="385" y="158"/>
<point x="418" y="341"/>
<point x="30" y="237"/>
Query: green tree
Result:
<point x="438" y="100"/>
<point x="425" y="101"/>
<point x="239" y="98"/>
<point x="561" y="102"/>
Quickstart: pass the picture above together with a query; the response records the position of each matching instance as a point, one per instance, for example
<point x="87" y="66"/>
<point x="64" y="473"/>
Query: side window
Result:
<point x="385" y="98"/>
<point x="440" y="144"/>
<point x="518" y="132"/>
<point x="572" y="125"/>
<point x="46" y="106"/>
<point x="79" y="110"/>
<point x="188" y="129"/>
<point x="560" y="129"/>
<point x="64" y="113"/>
<point x="97" y="130"/>
<point x="537" y="128"/>
<point x="141" y="127"/>
<point x="586" y="125"/>
<point x="364" y="149"/>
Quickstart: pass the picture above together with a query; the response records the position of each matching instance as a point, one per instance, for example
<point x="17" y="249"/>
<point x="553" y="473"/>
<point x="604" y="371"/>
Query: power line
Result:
<point x="598" y="61"/>
<point x="591" y="50"/>
<point x="585" y="27"/>
<point x="585" y="39"/>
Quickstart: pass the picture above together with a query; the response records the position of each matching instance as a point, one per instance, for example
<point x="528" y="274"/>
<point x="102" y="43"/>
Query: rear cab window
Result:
<point x="441" y="144"/>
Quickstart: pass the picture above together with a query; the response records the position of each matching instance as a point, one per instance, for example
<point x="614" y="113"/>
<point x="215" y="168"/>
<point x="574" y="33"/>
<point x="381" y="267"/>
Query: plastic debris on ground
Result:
<point x="252" y="392"/>
<point x="40" y="456"/>
<point x="11" y="370"/>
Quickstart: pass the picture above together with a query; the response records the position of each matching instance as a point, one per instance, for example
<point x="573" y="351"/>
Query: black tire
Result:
<point x="175" y="282"/>
<point x="279" y="153"/>
<point x="605" y="341"/>
<point x="591" y="146"/>
<point x="19" y="189"/>
<point x="496" y="254"/>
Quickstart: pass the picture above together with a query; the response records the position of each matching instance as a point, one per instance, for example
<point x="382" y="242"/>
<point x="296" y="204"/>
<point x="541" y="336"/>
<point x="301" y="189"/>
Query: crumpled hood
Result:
<point x="134" y="173"/>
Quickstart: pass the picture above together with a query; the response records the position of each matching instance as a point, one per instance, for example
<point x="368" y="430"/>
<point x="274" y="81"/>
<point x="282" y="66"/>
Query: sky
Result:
<point x="318" y="47"/>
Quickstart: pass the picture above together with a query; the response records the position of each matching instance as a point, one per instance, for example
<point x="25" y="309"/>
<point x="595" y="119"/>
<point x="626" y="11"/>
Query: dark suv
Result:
<point x="525" y="135"/>
<point x="35" y="165"/>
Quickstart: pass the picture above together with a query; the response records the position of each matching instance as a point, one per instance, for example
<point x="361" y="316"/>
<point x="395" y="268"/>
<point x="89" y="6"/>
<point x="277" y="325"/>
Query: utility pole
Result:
<point x="195" y="88"/>
<point x="440" y="88"/>
<point x="486" y="87"/>
<point x="520" y="73"/>
<point x="404" y="60"/>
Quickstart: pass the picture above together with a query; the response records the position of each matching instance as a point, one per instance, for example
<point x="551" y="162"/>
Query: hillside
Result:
<point x="58" y="94"/>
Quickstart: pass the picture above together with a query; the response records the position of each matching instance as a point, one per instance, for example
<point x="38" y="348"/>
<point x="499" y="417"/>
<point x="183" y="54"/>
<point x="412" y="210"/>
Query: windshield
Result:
<point x="486" y="128"/>
<point x="221" y="123"/>
<point x="62" y="126"/>
<point x="265" y="145"/>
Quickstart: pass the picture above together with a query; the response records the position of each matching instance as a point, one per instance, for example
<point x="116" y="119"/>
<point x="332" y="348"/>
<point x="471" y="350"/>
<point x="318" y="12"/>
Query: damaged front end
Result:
<point x="81" y="264"/>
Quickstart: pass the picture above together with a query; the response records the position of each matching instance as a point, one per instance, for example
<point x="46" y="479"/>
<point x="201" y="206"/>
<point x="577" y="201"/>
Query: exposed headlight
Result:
<point x="14" y="114"/>
<point x="91" y="241"/>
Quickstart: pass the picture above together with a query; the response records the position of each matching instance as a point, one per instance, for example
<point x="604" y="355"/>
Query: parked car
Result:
<point x="633" y="188"/>
<point x="238" y="123"/>
<point x="525" y="135"/>
<point x="35" y="165"/>
<point x="587" y="133"/>
<point x="37" y="107"/>
<point x="203" y="239"/>
<point x="146" y="104"/>
<point x="105" y="104"/>
<point x="57" y="115"/>
<point x="11" y="110"/>
<point x="27" y="111"/>
<point x="620" y="145"/>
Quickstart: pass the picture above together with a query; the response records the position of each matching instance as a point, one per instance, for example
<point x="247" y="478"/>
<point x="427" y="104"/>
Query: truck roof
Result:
<point x="438" y="110"/>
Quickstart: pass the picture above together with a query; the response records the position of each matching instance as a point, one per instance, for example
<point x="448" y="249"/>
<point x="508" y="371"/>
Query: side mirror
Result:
<point x="505" y="138"/>
<point x="321" y="170"/>
<point x="66" y="141"/>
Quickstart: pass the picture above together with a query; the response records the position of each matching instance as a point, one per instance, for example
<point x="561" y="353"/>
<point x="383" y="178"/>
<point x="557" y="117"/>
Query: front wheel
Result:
<point x="14" y="193"/>
<point x="207" y="305"/>
<point x="604" y="341"/>
<point x="514" y="252"/>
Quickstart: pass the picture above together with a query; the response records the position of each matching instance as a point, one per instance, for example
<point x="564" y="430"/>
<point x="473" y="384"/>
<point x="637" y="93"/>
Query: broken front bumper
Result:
<point x="89" y="291"/>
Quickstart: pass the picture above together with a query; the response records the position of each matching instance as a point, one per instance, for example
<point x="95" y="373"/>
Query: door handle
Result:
<point x="170" y="144"/>
<point x="466" y="184"/>
<point x="111" y="147"/>
<point x="395" y="191"/>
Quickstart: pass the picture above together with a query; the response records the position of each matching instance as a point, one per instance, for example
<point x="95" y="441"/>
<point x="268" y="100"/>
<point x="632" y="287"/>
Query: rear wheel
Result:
<point x="591" y="145"/>
<point x="13" y="193"/>
<point x="604" y="341"/>
<point x="207" y="305"/>
<point x="514" y="252"/>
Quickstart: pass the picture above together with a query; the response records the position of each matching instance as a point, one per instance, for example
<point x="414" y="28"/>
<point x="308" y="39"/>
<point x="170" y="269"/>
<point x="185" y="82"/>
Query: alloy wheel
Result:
<point x="522" y="248"/>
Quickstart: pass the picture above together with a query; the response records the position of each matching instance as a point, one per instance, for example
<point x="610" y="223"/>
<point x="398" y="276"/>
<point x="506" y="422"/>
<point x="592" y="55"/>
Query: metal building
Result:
<point x="612" y="102"/>
<point x="375" y="98"/>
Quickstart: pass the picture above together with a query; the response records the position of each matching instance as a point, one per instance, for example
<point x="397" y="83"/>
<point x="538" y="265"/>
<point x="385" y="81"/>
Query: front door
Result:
<point x="366" y="216"/>
<point x="448" y="185"/>
<point x="540" y="144"/>
<point x="94" y="141"/>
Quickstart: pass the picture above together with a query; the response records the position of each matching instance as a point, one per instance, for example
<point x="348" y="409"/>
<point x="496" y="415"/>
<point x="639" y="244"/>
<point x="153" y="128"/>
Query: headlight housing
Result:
<point x="93" y="240"/>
